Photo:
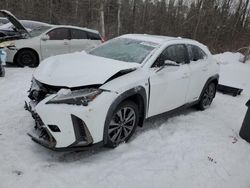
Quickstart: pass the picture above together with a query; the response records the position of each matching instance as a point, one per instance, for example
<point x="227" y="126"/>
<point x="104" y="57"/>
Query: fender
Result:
<point x="139" y="90"/>
<point x="211" y="79"/>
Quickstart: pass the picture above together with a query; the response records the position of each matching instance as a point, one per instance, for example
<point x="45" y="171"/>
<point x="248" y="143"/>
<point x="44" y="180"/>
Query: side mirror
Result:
<point x="168" y="63"/>
<point x="45" y="37"/>
<point x="171" y="63"/>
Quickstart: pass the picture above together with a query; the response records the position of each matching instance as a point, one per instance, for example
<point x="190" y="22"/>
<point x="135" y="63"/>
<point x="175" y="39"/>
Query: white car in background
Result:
<point x="28" y="24"/>
<point x="47" y="40"/>
<point x="82" y="99"/>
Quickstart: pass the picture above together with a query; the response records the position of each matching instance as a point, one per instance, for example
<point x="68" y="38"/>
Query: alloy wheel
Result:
<point x="208" y="96"/>
<point x="122" y="125"/>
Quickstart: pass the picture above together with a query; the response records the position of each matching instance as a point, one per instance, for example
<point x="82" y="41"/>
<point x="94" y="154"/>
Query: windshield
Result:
<point x="38" y="31"/>
<point x="122" y="49"/>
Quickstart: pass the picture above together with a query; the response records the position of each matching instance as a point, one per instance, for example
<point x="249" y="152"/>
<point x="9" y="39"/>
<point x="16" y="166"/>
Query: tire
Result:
<point x="207" y="96"/>
<point x="27" y="58"/>
<point x="2" y="71"/>
<point x="118" y="130"/>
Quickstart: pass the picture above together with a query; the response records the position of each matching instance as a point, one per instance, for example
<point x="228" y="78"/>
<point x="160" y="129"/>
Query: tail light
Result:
<point x="103" y="39"/>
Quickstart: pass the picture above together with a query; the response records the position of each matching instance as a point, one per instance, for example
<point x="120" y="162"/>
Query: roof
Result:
<point x="159" y="39"/>
<point x="76" y="27"/>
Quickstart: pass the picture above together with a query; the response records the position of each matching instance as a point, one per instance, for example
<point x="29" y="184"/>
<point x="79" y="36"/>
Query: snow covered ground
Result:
<point x="190" y="149"/>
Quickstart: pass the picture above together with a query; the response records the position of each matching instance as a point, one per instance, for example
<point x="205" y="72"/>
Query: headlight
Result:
<point x="78" y="97"/>
<point x="7" y="44"/>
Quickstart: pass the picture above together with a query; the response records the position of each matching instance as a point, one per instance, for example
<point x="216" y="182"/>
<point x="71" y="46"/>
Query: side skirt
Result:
<point x="176" y="110"/>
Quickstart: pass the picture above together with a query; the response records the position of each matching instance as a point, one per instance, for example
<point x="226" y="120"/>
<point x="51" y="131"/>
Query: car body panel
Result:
<point x="60" y="115"/>
<point x="48" y="48"/>
<point x="168" y="88"/>
<point x="54" y="47"/>
<point x="31" y="43"/>
<point x="57" y="72"/>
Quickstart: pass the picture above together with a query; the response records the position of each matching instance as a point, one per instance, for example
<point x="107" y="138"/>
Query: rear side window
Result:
<point x="93" y="36"/>
<point x="59" y="34"/>
<point x="195" y="53"/>
<point x="78" y="34"/>
<point x="176" y="53"/>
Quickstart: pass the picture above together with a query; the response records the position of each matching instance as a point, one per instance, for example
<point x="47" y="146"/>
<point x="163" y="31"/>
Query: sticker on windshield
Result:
<point x="151" y="44"/>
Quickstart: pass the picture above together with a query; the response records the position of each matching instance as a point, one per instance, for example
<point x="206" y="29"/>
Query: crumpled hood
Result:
<point x="79" y="69"/>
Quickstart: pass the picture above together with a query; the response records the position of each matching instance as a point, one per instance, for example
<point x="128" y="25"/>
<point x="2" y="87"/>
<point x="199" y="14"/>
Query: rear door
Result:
<point x="58" y="43"/>
<point x="199" y="71"/>
<point x="81" y="40"/>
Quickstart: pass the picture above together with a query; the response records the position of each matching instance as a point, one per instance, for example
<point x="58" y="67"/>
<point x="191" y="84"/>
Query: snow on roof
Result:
<point x="149" y="38"/>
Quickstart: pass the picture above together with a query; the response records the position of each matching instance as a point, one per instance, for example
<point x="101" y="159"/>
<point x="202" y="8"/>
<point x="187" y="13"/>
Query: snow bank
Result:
<point x="233" y="72"/>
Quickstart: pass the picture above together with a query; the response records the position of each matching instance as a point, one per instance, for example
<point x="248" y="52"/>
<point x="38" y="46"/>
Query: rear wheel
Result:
<point x="27" y="58"/>
<point x="207" y="96"/>
<point x="122" y="124"/>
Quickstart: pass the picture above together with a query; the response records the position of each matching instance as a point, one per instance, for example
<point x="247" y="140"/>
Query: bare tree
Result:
<point x="247" y="55"/>
<point x="220" y="24"/>
<point x="119" y="2"/>
<point x="102" y="19"/>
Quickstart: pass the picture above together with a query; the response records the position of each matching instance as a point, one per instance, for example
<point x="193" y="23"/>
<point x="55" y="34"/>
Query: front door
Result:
<point x="57" y="43"/>
<point x="168" y="87"/>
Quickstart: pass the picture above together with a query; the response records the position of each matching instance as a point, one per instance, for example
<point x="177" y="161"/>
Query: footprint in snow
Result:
<point x="17" y="172"/>
<point x="234" y="139"/>
<point x="212" y="160"/>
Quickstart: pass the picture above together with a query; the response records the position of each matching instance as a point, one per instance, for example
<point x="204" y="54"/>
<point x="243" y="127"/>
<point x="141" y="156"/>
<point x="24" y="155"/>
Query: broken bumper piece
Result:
<point x="50" y="145"/>
<point x="42" y="135"/>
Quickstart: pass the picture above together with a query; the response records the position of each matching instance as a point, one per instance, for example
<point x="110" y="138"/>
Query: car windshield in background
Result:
<point x="38" y="31"/>
<point x="123" y="49"/>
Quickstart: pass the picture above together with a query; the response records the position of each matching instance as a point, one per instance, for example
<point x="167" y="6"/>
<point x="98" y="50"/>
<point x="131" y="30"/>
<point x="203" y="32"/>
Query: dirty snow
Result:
<point x="190" y="149"/>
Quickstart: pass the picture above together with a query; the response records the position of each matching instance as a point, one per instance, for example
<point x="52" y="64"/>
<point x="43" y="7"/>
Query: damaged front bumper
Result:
<point x="44" y="136"/>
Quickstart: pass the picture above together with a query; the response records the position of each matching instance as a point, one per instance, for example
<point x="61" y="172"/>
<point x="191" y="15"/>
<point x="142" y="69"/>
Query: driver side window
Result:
<point x="59" y="34"/>
<point x="176" y="53"/>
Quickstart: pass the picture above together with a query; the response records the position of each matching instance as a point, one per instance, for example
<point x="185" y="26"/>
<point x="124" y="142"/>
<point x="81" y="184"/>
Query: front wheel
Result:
<point x="27" y="58"/>
<point x="207" y="97"/>
<point x="122" y="124"/>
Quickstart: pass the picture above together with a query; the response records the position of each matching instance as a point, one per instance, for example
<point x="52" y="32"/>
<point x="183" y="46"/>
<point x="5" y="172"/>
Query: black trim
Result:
<point x="176" y="110"/>
<point x="229" y="90"/>
<point x="149" y="94"/>
<point x="134" y="91"/>
<point x="81" y="148"/>
<point x="187" y="61"/>
<point x="68" y="34"/>
<point x="81" y="131"/>
<point x="211" y="79"/>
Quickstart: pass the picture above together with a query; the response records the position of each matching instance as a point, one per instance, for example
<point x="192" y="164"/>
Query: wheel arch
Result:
<point x="136" y="95"/>
<point x="28" y="49"/>
<point x="213" y="79"/>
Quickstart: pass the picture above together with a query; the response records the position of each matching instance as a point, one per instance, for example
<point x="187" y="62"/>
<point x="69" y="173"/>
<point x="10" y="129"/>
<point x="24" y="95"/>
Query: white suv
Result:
<point x="79" y="100"/>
